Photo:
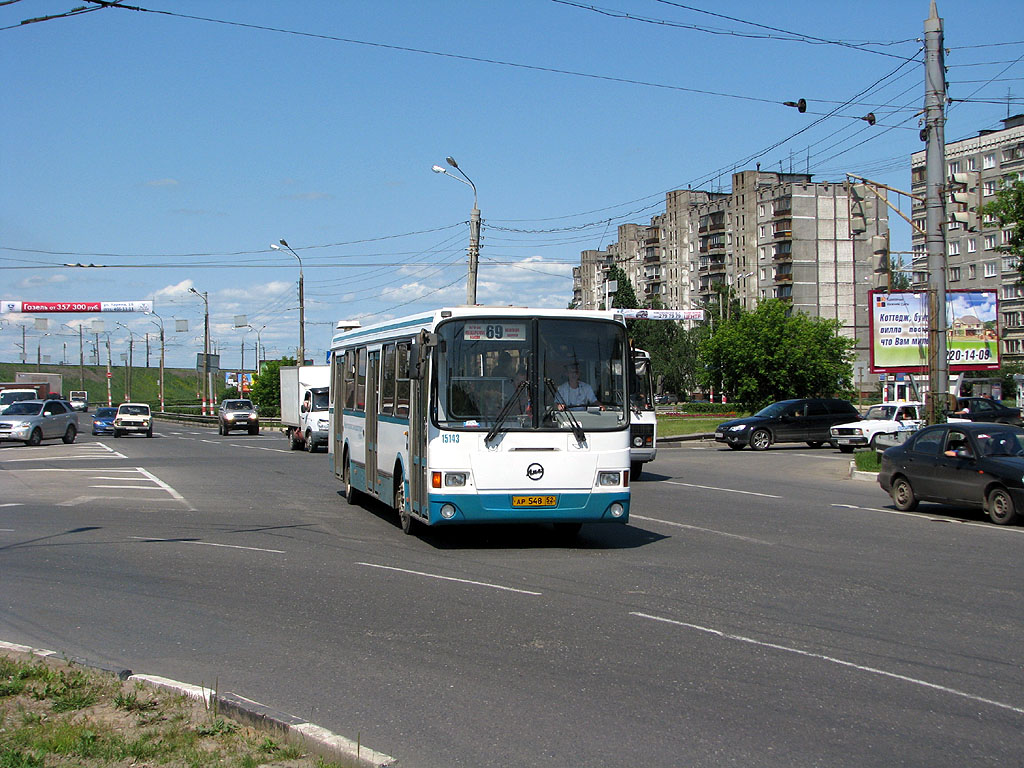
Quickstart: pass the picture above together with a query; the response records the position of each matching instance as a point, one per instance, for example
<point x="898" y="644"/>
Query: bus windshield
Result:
<point x="536" y="374"/>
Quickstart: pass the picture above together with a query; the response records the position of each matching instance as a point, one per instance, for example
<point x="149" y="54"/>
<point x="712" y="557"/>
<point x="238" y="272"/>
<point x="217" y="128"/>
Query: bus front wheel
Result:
<point x="404" y="518"/>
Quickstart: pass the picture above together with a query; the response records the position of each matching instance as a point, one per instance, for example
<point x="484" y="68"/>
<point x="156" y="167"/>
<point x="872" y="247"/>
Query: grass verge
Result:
<point x="867" y="461"/>
<point x="673" y="426"/>
<point x="54" y="713"/>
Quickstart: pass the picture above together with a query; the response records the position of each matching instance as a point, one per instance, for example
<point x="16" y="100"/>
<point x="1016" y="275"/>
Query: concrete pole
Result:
<point x="935" y="210"/>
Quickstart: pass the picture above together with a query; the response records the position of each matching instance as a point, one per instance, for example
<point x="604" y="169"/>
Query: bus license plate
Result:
<point x="534" y="501"/>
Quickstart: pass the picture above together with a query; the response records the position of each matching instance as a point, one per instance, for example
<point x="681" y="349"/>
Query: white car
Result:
<point x="884" y="419"/>
<point x="133" y="417"/>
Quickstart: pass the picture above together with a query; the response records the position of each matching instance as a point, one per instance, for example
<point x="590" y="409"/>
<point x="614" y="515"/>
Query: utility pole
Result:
<point x="935" y="211"/>
<point x="81" y="357"/>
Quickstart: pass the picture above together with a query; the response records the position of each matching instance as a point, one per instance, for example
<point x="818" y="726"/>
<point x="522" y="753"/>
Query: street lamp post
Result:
<point x="474" y="229"/>
<point x="259" y="344"/>
<point x="131" y="362"/>
<point x="207" y="388"/>
<point x="161" y="323"/>
<point x="302" y="302"/>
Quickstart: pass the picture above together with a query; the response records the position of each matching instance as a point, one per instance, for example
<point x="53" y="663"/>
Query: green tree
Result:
<point x="769" y="355"/>
<point x="624" y="296"/>
<point x="266" y="387"/>
<point x="1008" y="211"/>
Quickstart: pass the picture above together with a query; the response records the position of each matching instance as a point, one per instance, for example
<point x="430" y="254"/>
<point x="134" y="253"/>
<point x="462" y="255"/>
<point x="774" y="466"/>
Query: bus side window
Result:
<point x="361" y="379"/>
<point x="387" y="393"/>
<point x="350" y="379"/>
<point x="402" y="385"/>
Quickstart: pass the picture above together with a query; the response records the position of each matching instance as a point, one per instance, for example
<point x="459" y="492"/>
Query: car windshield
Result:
<point x="133" y="410"/>
<point x="238" y="405"/>
<point x="321" y="400"/>
<point x="775" y="409"/>
<point x="1008" y="442"/>
<point x="104" y="413"/>
<point x="882" y="412"/>
<point x="24" y="409"/>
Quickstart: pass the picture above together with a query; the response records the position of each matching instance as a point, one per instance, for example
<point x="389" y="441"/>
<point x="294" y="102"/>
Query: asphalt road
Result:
<point x="761" y="609"/>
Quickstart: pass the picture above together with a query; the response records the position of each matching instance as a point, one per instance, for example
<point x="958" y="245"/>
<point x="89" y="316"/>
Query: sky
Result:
<point x="171" y="142"/>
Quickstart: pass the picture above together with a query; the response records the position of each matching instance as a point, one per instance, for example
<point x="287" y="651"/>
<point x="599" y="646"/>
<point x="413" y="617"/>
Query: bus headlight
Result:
<point x="617" y="509"/>
<point x="455" y="479"/>
<point x="606" y="479"/>
<point x="448" y="511"/>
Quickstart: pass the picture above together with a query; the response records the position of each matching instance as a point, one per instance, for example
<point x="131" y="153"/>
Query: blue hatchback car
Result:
<point x="103" y="421"/>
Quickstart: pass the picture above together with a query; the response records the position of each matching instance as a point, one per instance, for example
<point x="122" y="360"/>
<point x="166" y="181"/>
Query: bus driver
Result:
<point x="575" y="393"/>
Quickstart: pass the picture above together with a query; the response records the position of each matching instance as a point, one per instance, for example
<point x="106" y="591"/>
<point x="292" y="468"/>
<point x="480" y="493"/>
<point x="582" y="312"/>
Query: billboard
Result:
<point x="76" y="306"/>
<point x="899" y="331"/>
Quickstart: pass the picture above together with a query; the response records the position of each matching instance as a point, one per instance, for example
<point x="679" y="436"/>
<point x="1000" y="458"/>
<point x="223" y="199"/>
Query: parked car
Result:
<point x="884" y="419"/>
<point x="133" y="417"/>
<point x="984" y="409"/>
<point x="978" y="465"/>
<point x="807" y="420"/>
<point x="238" y="414"/>
<point x="103" y="421"/>
<point x="32" y="421"/>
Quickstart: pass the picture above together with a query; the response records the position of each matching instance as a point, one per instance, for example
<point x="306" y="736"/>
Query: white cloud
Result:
<point x="162" y="183"/>
<point x="34" y="281"/>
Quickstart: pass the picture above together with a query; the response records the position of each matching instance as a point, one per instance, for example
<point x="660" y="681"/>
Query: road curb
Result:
<point x="296" y="730"/>
<point x="856" y="474"/>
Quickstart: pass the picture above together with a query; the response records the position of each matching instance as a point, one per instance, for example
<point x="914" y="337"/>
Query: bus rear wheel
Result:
<point x="350" y="490"/>
<point x="404" y="518"/>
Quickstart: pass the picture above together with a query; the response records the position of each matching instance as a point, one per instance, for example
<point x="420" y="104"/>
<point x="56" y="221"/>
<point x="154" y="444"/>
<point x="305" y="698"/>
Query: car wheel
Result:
<point x="874" y="443"/>
<point x="149" y="432"/>
<point x="636" y="468"/>
<point x="903" y="495"/>
<point x="70" y="435"/>
<point x="117" y="433"/>
<point x="761" y="439"/>
<point x="254" y="430"/>
<point x="293" y="442"/>
<point x="310" y="445"/>
<point x="846" y="449"/>
<point x="737" y="446"/>
<point x="35" y="438"/>
<point x="814" y="443"/>
<point x="1000" y="507"/>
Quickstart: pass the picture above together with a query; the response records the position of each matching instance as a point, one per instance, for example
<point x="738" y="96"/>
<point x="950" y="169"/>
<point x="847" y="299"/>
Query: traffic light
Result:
<point x="964" y="203"/>
<point x="880" y="261"/>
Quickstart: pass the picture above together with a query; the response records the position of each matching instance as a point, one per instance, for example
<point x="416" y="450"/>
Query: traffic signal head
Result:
<point x="963" y="203"/>
<point x="880" y="251"/>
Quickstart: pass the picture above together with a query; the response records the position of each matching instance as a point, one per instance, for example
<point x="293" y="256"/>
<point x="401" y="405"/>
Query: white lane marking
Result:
<point x="833" y="660"/>
<point x="162" y="484"/>
<point x="12" y="504"/>
<point x="129" y="487"/>
<point x="258" y="448"/>
<point x="450" y="578"/>
<point x="54" y="469"/>
<point x="933" y="519"/>
<point x="8" y="530"/>
<point x="698" y="528"/>
<point x="209" y="544"/>
<point x="727" y="490"/>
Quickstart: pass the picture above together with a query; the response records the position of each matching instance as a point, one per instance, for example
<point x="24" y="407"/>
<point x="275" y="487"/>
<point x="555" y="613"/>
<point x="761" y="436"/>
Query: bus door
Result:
<point x="419" y="483"/>
<point x="372" y="408"/>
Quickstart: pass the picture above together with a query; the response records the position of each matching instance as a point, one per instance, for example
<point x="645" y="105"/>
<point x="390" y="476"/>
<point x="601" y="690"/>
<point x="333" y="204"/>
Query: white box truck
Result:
<point x="54" y="380"/>
<point x="305" y="405"/>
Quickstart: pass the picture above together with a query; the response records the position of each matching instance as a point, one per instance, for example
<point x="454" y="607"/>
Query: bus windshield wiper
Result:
<point x="506" y="409"/>
<point x="574" y="424"/>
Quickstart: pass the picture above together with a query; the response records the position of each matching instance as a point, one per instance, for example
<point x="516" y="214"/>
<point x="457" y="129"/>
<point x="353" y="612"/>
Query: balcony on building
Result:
<point x="783" y="229"/>
<point x="782" y="251"/>
<point x="783" y="276"/>
<point x="782" y="206"/>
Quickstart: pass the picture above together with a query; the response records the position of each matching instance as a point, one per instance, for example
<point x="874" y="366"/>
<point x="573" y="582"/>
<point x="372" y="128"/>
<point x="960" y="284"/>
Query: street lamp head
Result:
<point x="275" y="247"/>
<point x="451" y="162"/>
<point x="282" y="242"/>
<point x="193" y="290"/>
<point x="438" y="169"/>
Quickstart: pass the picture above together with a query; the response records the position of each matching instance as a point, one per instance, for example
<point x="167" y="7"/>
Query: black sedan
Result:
<point x="984" y="409"/>
<point x="978" y="465"/>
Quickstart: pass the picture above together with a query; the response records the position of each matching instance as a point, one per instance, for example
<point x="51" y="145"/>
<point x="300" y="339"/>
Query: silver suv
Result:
<point x="238" y="414"/>
<point x="32" y="421"/>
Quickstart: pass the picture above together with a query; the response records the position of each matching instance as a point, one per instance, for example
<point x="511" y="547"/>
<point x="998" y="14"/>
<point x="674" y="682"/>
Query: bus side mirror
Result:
<point x="419" y="353"/>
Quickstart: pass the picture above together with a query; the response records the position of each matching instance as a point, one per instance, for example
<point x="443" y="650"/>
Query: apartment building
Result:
<point x="973" y="260"/>
<point x="775" y="235"/>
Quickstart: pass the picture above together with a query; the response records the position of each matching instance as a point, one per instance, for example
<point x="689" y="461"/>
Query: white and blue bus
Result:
<point x="643" y="428"/>
<point x="486" y="415"/>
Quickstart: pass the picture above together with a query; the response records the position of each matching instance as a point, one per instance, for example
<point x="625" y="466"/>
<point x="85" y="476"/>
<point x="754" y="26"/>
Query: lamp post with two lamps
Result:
<point x="474" y="228"/>
<point x="131" y="362"/>
<point x="161" y="324"/>
<point x="302" y="302"/>
<point x="207" y="384"/>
